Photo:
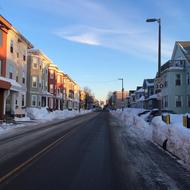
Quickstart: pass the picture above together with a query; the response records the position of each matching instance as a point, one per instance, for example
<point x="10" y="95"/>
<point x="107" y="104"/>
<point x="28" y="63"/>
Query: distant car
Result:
<point x="105" y="109"/>
<point x="98" y="109"/>
<point x="156" y="112"/>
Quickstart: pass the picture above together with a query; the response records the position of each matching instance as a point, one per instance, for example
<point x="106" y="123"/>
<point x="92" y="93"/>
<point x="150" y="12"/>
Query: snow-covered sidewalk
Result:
<point x="175" y="135"/>
<point x="36" y="116"/>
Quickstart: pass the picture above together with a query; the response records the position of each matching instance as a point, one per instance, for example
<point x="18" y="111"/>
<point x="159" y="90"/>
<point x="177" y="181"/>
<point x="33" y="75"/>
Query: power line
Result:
<point x="100" y="81"/>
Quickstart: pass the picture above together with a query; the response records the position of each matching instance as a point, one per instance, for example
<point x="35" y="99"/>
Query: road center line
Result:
<point x="37" y="155"/>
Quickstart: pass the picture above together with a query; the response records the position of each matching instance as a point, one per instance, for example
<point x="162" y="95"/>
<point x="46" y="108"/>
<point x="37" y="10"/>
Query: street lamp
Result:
<point x="159" y="41"/>
<point x="122" y="92"/>
<point x="158" y="20"/>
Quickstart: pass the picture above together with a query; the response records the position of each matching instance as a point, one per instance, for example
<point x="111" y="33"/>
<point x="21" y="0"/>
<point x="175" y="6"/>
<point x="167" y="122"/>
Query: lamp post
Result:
<point x="122" y="92"/>
<point x="159" y="41"/>
<point x="158" y="20"/>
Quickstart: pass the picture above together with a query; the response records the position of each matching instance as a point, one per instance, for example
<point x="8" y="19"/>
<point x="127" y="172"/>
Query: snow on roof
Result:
<point x="140" y="90"/>
<point x="141" y="99"/>
<point x="155" y="96"/>
<point x="148" y="83"/>
<point x="176" y="68"/>
<point x="14" y="85"/>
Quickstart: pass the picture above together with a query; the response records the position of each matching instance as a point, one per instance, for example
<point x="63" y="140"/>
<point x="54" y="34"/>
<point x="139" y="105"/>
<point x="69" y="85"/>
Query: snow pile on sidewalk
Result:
<point x="5" y="127"/>
<point x="43" y="114"/>
<point x="130" y="119"/>
<point x="22" y="119"/>
<point x="177" y="136"/>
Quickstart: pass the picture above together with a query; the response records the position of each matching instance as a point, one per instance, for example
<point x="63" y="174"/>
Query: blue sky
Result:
<point x="98" y="41"/>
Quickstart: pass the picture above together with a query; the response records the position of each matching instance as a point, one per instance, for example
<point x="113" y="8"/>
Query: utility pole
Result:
<point x="122" y="90"/>
<point x="158" y="20"/>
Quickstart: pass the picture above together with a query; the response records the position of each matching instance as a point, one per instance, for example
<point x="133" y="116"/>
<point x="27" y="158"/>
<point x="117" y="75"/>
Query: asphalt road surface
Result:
<point x="92" y="152"/>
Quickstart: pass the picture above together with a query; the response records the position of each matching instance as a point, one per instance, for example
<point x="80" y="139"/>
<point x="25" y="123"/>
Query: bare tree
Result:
<point x="89" y="100"/>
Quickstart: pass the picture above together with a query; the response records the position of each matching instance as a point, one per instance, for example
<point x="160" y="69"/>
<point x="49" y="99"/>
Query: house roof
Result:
<point x="40" y="52"/>
<point x="4" y="23"/>
<point x="185" y="47"/>
<point x="148" y="82"/>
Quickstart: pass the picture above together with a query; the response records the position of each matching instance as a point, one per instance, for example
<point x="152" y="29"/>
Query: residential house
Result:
<point x="52" y="86"/>
<point x="175" y="75"/>
<point x="16" y="71"/>
<point x="151" y="100"/>
<point x="130" y="100"/>
<point x="139" y="97"/>
<point x="37" y="79"/>
<point x="5" y="85"/>
<point x="117" y="99"/>
<point x="82" y="99"/>
<point x="60" y="89"/>
<point x="69" y="91"/>
<point x="76" y="101"/>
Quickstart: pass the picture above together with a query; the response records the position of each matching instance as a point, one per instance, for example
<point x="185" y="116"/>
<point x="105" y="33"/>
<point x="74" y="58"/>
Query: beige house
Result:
<point x="72" y="93"/>
<point x="37" y="79"/>
<point x="16" y="71"/>
<point x="76" y="101"/>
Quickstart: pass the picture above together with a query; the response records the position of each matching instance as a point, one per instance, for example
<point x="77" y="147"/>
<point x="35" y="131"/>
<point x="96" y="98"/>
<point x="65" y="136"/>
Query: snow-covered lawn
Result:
<point x="36" y="116"/>
<point x="177" y="136"/>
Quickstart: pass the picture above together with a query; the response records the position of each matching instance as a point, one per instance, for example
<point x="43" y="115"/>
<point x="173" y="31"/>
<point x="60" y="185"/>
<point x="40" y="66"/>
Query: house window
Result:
<point x="23" y="77"/>
<point x="23" y="102"/>
<point x="165" y="101"/>
<point x="35" y="65"/>
<point x="178" y="80"/>
<point x="34" y="82"/>
<point x="24" y="57"/>
<point x="165" y="81"/>
<point x="51" y="74"/>
<point x="34" y="100"/>
<point x="51" y="88"/>
<point x="10" y="75"/>
<point x="16" y="78"/>
<point x="178" y="101"/>
<point x="1" y="38"/>
<point x="11" y="46"/>
<point x="188" y="101"/>
<point x="23" y="80"/>
<point x="188" y="78"/>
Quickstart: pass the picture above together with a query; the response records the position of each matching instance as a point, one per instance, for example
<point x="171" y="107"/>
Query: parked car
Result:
<point x="144" y="112"/>
<point x="156" y="112"/>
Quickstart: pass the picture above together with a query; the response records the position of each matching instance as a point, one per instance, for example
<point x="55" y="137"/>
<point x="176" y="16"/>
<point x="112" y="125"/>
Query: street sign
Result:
<point x="158" y="83"/>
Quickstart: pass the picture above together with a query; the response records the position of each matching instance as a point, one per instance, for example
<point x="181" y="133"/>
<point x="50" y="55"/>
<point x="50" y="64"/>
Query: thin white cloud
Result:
<point x="84" y="39"/>
<point x="101" y="26"/>
<point x="134" y="43"/>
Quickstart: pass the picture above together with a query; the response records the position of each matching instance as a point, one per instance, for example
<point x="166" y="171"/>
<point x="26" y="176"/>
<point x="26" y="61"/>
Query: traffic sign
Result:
<point x="158" y="83"/>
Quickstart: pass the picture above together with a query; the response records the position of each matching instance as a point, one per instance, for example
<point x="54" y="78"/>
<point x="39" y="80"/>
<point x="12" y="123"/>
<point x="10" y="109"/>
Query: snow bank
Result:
<point x="6" y="127"/>
<point x="178" y="137"/>
<point x="130" y="119"/>
<point x="43" y="114"/>
<point x="22" y="119"/>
